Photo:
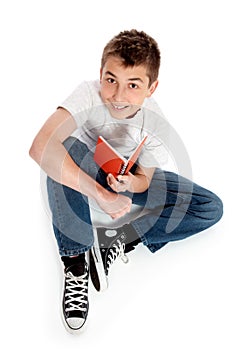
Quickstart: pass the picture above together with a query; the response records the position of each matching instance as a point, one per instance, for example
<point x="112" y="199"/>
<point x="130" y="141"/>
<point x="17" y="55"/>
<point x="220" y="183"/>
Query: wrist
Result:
<point x="139" y="184"/>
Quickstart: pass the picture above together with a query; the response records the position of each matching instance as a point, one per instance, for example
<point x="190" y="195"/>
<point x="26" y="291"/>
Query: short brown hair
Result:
<point x="134" y="48"/>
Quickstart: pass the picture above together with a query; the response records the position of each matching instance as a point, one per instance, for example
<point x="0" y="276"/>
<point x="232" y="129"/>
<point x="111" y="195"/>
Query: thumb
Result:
<point x="110" y="178"/>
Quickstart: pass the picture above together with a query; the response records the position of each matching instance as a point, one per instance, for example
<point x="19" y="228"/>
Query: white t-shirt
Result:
<point x="93" y="119"/>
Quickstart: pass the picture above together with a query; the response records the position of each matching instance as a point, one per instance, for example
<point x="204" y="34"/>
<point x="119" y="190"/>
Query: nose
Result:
<point x="119" y="94"/>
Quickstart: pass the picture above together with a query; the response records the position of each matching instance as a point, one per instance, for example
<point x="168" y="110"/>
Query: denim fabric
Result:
<point x="176" y="207"/>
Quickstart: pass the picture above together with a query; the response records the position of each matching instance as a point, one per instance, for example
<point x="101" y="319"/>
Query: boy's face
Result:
<point x="124" y="89"/>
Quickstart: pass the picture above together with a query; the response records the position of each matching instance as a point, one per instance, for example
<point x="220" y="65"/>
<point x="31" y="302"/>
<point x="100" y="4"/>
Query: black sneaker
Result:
<point x="108" y="246"/>
<point x="75" y="297"/>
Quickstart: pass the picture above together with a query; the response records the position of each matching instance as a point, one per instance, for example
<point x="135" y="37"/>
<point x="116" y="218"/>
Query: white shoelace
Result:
<point x="76" y="285"/>
<point x="118" y="251"/>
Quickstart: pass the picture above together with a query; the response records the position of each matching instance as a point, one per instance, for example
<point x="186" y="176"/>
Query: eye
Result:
<point x="133" y="86"/>
<point x="111" y="81"/>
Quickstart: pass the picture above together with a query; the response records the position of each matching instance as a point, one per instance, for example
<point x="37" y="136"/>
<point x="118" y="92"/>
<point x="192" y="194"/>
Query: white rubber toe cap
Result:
<point x="75" y="322"/>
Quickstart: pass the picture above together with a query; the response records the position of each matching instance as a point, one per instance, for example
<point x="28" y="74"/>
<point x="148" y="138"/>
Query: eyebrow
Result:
<point x="131" y="79"/>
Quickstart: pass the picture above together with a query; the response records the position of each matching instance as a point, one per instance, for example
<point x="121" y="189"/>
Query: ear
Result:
<point x="152" y="88"/>
<point x="101" y="72"/>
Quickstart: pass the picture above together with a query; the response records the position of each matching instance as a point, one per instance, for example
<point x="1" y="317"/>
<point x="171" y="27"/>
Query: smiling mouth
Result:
<point x="118" y="108"/>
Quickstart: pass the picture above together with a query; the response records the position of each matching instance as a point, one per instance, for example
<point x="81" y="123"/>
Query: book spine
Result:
<point x="123" y="167"/>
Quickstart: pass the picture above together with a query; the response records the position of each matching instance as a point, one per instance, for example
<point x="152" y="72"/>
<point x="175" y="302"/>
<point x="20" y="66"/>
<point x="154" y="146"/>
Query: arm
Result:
<point x="48" y="151"/>
<point x="136" y="183"/>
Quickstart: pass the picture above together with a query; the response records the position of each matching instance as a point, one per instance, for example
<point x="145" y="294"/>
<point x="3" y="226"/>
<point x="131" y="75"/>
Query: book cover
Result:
<point x="111" y="161"/>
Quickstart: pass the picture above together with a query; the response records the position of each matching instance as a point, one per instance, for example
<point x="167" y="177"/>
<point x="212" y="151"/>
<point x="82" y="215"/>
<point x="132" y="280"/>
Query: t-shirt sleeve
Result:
<point x="78" y="103"/>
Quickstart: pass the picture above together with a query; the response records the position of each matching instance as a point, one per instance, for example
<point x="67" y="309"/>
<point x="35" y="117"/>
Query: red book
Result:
<point x="112" y="161"/>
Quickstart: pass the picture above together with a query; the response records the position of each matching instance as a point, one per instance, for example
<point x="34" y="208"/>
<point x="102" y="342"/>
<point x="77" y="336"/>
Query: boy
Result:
<point x="120" y="108"/>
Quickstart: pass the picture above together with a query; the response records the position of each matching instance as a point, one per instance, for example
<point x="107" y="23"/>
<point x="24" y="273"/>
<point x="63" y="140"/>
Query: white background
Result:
<point x="179" y="298"/>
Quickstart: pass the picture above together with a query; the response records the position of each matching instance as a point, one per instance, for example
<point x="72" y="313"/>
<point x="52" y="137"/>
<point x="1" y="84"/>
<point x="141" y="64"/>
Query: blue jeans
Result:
<point x="176" y="207"/>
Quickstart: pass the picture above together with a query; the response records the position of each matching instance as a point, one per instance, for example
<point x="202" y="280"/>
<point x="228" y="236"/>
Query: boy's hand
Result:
<point x="121" y="184"/>
<point x="114" y="204"/>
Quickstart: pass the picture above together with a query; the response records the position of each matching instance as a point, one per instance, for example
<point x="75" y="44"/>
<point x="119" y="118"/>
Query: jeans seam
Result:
<point x="142" y="236"/>
<point x="69" y="252"/>
<point x="60" y="221"/>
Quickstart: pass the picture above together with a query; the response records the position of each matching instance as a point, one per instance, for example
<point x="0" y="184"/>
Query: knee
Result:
<point x="208" y="207"/>
<point x="216" y="208"/>
<point x="219" y="208"/>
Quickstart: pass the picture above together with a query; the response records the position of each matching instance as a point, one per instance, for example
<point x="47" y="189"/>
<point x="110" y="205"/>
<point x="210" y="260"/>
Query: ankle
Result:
<point x="73" y="260"/>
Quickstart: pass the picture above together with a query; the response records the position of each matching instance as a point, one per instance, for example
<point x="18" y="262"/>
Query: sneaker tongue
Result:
<point x="77" y="269"/>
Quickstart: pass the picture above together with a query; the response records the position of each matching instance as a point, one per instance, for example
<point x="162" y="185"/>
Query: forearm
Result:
<point x="54" y="159"/>
<point x="139" y="183"/>
<point x="49" y="152"/>
<point x="57" y="163"/>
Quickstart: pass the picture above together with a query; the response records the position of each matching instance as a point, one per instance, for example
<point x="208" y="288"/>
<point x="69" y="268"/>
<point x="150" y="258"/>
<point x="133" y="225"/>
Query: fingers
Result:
<point x="121" y="178"/>
<point x="112" y="182"/>
<point x="118" y="185"/>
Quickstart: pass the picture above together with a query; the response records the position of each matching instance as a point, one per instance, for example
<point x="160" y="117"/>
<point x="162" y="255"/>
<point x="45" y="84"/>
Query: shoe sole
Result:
<point x="97" y="272"/>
